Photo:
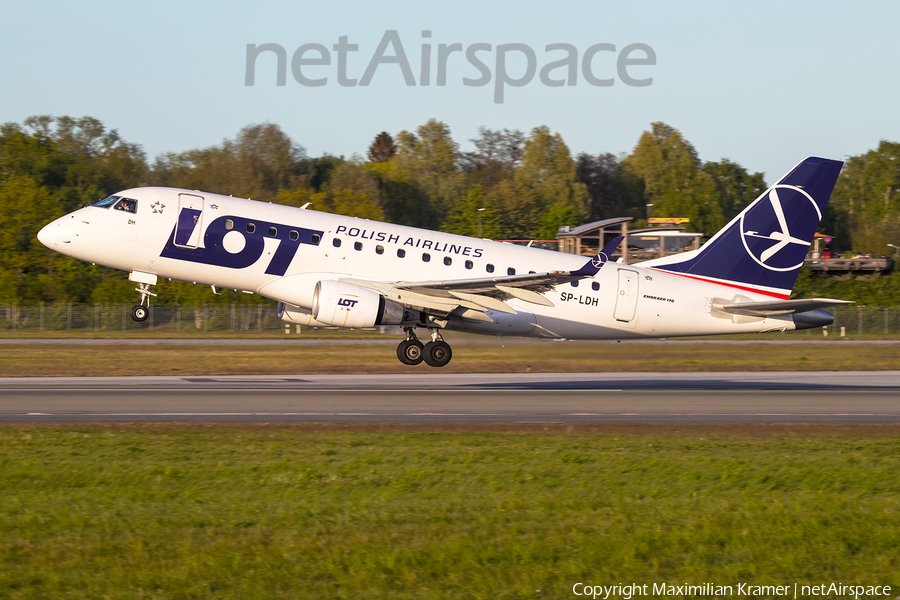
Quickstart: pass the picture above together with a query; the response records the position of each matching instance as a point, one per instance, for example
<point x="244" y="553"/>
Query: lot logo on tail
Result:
<point x="780" y="243"/>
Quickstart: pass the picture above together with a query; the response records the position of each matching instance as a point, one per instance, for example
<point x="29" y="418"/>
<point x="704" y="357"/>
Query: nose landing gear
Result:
<point x="139" y="312"/>
<point x="435" y="353"/>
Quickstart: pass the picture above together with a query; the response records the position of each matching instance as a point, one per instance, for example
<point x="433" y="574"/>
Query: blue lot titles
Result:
<point x="629" y="591"/>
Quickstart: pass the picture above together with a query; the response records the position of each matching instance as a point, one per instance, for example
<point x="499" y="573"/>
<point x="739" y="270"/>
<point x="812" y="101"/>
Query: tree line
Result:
<point x="529" y="184"/>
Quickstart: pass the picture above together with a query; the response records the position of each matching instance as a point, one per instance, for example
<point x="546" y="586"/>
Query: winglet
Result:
<point x="601" y="258"/>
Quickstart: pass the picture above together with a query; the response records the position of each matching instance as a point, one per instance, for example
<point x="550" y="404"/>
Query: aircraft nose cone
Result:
<point x="47" y="235"/>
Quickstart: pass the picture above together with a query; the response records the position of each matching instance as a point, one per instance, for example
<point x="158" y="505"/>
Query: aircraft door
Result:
<point x="626" y="299"/>
<point x="190" y="220"/>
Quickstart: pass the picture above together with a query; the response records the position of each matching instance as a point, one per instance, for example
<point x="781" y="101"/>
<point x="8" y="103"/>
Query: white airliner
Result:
<point x="331" y="270"/>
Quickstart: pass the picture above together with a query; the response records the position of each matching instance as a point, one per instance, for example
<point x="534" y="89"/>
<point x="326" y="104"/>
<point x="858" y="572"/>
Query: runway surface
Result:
<point x="808" y="397"/>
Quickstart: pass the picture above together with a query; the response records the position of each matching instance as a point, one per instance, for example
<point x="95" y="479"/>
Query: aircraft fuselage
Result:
<point x="281" y="252"/>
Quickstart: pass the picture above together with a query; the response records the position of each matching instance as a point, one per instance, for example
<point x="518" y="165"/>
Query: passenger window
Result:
<point x="401" y="253"/>
<point x="510" y="271"/>
<point x="575" y="283"/>
<point x="251" y="227"/>
<point x="447" y="260"/>
<point x="426" y="257"/>
<point x="316" y="238"/>
<point x="336" y="242"/>
<point x="229" y="224"/>
<point x="469" y="264"/>
<point x="272" y="232"/>
<point x="379" y="249"/>
<point x="294" y="236"/>
<point x="128" y="205"/>
<point x="357" y="246"/>
<point x="490" y="268"/>
<point x="595" y="286"/>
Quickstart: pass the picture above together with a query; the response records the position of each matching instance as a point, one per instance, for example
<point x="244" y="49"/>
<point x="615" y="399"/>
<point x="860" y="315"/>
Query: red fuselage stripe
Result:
<point x="731" y="285"/>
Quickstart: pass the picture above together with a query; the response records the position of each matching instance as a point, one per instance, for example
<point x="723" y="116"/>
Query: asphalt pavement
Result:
<point x="788" y="397"/>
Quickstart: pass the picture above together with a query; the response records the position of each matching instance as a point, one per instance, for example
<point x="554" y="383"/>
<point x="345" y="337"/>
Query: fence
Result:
<point x="210" y="318"/>
<point x="176" y="318"/>
<point x="861" y="320"/>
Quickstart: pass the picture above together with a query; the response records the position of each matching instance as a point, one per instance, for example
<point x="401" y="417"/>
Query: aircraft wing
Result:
<point x="537" y="282"/>
<point x="469" y="297"/>
<point x="778" y="307"/>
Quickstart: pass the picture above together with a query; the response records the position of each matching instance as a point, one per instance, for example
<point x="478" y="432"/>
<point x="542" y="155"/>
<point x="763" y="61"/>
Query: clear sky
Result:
<point x="762" y="83"/>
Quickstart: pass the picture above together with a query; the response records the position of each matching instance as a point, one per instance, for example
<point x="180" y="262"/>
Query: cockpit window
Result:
<point x="127" y="205"/>
<point x="106" y="202"/>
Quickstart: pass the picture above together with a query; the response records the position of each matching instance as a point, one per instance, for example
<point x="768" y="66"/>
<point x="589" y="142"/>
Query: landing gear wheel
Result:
<point x="410" y="352"/>
<point x="437" y="353"/>
<point x="139" y="313"/>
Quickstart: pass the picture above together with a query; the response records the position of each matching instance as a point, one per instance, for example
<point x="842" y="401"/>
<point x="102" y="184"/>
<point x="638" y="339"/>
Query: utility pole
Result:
<point x="480" y="210"/>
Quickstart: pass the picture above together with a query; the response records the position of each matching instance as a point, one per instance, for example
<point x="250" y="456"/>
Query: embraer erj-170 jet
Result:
<point x="330" y="270"/>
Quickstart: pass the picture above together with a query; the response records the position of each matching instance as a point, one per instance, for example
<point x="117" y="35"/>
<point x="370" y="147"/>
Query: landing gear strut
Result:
<point x="139" y="312"/>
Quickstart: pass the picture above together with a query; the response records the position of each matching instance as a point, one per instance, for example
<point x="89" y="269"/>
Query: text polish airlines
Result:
<point x="331" y="270"/>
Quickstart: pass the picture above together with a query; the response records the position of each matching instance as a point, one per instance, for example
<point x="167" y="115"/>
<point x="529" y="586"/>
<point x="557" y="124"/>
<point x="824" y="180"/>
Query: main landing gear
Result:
<point x="139" y="312"/>
<point x="435" y="353"/>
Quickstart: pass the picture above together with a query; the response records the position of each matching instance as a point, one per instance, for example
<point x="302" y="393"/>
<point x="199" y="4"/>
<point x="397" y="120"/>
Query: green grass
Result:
<point x="517" y="357"/>
<point x="322" y="333"/>
<point x="417" y="512"/>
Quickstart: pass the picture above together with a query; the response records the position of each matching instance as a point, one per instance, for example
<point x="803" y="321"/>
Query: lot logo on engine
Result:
<point x="347" y="302"/>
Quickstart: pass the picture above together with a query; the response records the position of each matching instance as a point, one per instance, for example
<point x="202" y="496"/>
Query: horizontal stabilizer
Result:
<point x="778" y="307"/>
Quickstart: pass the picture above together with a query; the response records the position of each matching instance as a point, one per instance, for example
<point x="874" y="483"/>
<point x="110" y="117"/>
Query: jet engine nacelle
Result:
<point x="349" y="305"/>
<point x="294" y="314"/>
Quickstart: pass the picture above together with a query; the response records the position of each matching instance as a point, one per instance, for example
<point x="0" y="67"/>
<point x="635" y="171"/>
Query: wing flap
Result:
<point x="475" y="315"/>
<point x="485" y="301"/>
<point x="537" y="282"/>
<point x="525" y="294"/>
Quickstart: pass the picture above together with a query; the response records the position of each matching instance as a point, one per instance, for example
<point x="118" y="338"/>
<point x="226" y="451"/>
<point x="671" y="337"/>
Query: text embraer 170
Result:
<point x="331" y="270"/>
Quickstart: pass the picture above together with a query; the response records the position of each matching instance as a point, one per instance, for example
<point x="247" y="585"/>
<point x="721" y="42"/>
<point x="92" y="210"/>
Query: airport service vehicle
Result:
<point x="330" y="270"/>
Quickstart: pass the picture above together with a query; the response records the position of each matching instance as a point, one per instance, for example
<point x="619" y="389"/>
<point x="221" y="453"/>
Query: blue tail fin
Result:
<point x="763" y="248"/>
